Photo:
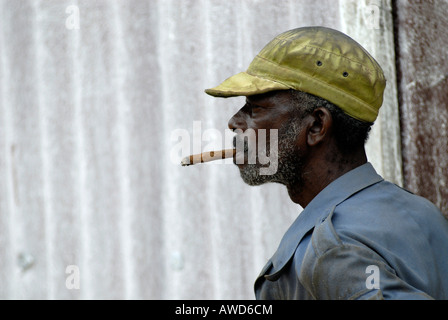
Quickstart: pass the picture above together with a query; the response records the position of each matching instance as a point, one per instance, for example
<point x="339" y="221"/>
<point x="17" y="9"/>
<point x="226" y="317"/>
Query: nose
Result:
<point x="238" y="121"/>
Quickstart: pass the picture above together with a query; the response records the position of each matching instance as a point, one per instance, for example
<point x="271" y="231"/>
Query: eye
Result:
<point x="254" y="108"/>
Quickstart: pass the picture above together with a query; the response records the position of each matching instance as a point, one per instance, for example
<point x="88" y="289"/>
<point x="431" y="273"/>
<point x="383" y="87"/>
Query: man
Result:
<point x="359" y="236"/>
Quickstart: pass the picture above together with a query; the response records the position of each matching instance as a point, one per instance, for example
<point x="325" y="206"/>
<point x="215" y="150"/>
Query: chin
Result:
<point x="286" y="175"/>
<point x="251" y="175"/>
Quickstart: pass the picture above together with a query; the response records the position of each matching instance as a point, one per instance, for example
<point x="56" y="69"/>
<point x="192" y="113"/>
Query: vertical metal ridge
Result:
<point x="9" y="254"/>
<point x="121" y="59"/>
<point x="44" y="149"/>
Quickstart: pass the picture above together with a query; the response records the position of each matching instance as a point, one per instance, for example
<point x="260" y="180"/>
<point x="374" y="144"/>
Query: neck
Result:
<point x="320" y="172"/>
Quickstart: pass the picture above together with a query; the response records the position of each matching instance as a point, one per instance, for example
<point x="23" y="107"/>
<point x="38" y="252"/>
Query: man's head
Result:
<point x="308" y="127"/>
<point x="321" y="90"/>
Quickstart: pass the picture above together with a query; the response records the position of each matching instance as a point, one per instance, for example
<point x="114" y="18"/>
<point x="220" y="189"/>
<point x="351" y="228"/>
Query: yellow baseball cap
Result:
<point x="317" y="60"/>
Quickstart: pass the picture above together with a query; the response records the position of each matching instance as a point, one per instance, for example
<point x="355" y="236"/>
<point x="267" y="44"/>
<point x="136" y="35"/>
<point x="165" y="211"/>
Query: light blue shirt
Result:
<point x="361" y="238"/>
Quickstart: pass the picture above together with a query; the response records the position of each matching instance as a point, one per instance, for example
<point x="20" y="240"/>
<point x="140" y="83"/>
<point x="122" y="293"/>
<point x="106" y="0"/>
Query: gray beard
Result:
<point x="290" y="164"/>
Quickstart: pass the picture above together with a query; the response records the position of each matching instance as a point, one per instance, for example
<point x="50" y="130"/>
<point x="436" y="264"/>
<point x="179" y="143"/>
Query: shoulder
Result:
<point x="382" y="226"/>
<point x="336" y="269"/>
<point x="375" y="212"/>
<point x="387" y="213"/>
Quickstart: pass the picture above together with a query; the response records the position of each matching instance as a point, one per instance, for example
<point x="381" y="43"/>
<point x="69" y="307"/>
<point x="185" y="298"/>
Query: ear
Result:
<point x="319" y="127"/>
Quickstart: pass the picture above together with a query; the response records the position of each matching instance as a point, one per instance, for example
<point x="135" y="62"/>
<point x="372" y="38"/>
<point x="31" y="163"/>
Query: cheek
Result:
<point x="293" y="134"/>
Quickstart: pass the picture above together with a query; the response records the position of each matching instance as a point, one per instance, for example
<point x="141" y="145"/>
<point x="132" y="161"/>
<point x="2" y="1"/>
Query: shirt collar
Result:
<point x="318" y="209"/>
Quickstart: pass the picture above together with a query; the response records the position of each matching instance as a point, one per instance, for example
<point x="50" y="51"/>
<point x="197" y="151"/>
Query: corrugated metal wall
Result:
<point x="88" y="121"/>
<point x="423" y="79"/>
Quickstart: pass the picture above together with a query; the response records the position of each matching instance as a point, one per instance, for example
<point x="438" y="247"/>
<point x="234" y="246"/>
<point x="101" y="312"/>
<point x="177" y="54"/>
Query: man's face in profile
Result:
<point x="268" y="125"/>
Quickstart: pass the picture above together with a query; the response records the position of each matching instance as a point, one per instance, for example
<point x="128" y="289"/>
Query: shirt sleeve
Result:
<point x="348" y="271"/>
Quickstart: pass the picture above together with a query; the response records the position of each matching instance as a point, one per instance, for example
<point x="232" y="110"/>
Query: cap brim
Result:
<point x="244" y="84"/>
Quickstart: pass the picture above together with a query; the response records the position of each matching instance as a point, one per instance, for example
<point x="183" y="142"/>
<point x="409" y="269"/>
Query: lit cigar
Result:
<point x="208" y="156"/>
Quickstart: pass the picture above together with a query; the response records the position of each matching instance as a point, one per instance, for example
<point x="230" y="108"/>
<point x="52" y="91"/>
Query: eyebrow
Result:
<point x="253" y="101"/>
<point x="259" y="104"/>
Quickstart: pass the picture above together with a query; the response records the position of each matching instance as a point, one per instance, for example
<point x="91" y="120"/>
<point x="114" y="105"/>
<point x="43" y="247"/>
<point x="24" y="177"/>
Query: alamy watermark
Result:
<point x="72" y="282"/>
<point x="72" y="21"/>
<point x="252" y="146"/>
<point x="372" y="14"/>
<point x="373" y="280"/>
